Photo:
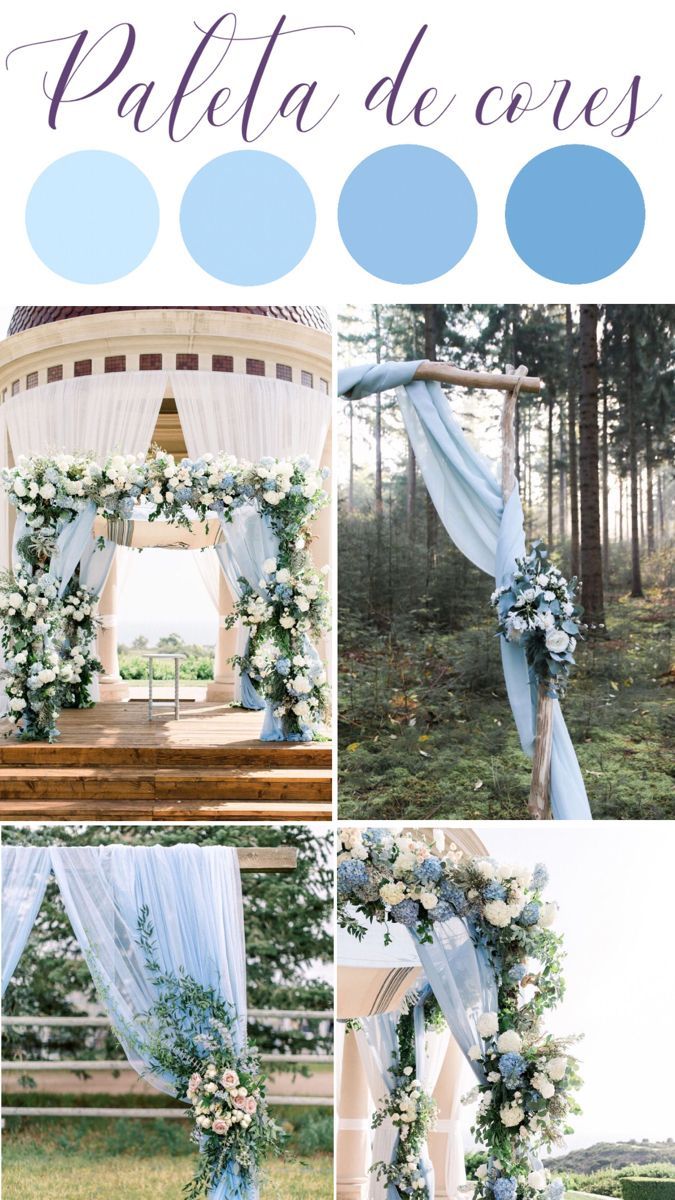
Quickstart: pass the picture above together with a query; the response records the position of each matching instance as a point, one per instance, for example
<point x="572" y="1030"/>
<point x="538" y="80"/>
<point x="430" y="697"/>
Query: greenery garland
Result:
<point x="59" y="664"/>
<point x="527" y="1077"/>
<point x="188" y="1037"/>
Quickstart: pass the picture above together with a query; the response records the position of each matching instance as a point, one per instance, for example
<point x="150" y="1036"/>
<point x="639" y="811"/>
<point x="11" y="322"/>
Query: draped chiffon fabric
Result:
<point x="467" y="496"/>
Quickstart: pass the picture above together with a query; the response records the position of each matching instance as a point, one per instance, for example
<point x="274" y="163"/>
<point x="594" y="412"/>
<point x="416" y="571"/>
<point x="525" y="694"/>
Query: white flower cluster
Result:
<point x="220" y="1100"/>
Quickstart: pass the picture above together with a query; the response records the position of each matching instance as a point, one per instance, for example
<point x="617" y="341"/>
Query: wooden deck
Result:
<point x="112" y="764"/>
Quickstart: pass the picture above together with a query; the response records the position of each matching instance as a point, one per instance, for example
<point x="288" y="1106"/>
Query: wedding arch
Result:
<point x="262" y="508"/>
<point x="539" y="617"/>
<point x="174" y="989"/>
<point x="490" y="969"/>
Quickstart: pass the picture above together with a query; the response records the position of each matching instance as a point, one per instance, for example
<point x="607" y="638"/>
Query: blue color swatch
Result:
<point x="575" y="214"/>
<point x="248" y="217"/>
<point x="407" y="214"/>
<point x="92" y="216"/>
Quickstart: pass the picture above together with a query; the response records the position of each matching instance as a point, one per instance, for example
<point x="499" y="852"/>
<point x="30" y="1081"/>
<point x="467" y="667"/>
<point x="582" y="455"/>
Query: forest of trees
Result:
<point x="594" y="460"/>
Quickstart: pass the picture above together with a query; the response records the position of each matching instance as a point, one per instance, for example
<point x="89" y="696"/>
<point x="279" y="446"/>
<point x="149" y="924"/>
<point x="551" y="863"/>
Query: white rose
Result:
<point x="270" y="566"/>
<point x="511" y="1114"/>
<point x="17" y="704"/>
<point x="497" y="913"/>
<point x="475" y="1053"/>
<point x="284" y="575"/>
<point x="488" y="1024"/>
<point x="392" y="893"/>
<point x="301" y="684"/>
<point x="16" y="599"/>
<point x="47" y="491"/>
<point x="481" y="1171"/>
<point x="537" y="1180"/>
<point x="543" y="1085"/>
<point x="509" y="1041"/>
<point x="557" y="641"/>
<point x="428" y="900"/>
<point x="547" y="914"/>
<point x="556" y="1068"/>
<point x="485" y="868"/>
<point x="287" y="622"/>
<point x="302" y="603"/>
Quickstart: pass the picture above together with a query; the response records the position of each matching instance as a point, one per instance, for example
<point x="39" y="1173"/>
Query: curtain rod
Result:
<point x="446" y="373"/>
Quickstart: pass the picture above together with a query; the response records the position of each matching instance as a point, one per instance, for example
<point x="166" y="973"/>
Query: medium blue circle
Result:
<point x="248" y="217"/>
<point x="575" y="214"/>
<point x="92" y="216"/>
<point x="407" y="214"/>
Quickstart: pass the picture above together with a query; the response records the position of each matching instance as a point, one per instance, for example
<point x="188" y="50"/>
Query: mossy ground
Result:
<point x="426" y="731"/>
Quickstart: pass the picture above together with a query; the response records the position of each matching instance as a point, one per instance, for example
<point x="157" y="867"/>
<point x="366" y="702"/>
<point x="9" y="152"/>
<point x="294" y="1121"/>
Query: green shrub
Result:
<point x="637" y="1188"/>
<point x="314" y="1135"/>
<point x="608" y="1180"/>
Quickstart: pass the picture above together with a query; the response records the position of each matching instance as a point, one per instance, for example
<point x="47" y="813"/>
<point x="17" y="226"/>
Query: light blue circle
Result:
<point x="247" y="217"/>
<point x="92" y="216"/>
<point x="575" y="214"/>
<point x="407" y="214"/>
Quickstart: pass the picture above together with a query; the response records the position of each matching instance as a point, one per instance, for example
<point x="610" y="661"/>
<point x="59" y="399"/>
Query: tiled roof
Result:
<point x="307" y="314"/>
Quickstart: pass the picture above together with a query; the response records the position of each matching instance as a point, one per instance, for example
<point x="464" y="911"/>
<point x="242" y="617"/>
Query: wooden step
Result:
<point x="182" y="811"/>
<point x="258" y="755"/>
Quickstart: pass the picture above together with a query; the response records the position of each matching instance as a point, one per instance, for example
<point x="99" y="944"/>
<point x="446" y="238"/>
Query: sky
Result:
<point x="613" y="884"/>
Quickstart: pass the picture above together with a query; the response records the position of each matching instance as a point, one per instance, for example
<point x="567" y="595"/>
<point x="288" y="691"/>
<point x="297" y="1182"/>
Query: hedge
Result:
<point x="648" y="1189"/>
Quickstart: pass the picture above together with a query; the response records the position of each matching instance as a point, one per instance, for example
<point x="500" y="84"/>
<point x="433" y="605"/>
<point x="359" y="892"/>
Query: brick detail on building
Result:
<point x="222" y="362"/>
<point x="83" y="367"/>
<point x="313" y="316"/>
<point x="54" y="374"/>
<point x="187" y="362"/>
<point x="284" y="372"/>
<point x="255" y="366"/>
<point x="150" y="362"/>
<point x="115" y="363"/>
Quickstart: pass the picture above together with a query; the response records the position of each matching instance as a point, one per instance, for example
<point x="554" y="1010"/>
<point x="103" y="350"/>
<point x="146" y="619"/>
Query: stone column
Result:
<point x="111" y="685"/>
<point x="353" y="1137"/>
<point x="222" y="687"/>
<point x="445" y="1143"/>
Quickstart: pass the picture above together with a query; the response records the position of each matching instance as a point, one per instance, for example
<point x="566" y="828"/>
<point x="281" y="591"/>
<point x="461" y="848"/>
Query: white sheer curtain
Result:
<point x="25" y="872"/>
<point x="377" y="1041"/>
<point x="249" y="416"/>
<point x="98" y="414"/>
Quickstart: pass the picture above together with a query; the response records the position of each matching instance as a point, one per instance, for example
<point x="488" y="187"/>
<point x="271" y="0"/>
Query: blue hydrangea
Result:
<point x="454" y="896"/>
<point x="304" y="463"/>
<point x="183" y="494"/>
<point x="296" y="490"/>
<point x="511" y="1069"/>
<point x="539" y="876"/>
<point x="429" y="871"/>
<point x="530" y="914"/>
<point x="494" y="891"/>
<point x="555" y="1190"/>
<point x="442" y="912"/>
<point x="406" y="913"/>
<point x="517" y="972"/>
<point x="505" y="1188"/>
<point x="227" y="480"/>
<point x="351" y="874"/>
<point x="127" y="506"/>
<point x="282" y="666"/>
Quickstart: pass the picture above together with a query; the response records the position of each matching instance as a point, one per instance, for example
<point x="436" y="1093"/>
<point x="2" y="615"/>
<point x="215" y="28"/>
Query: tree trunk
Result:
<point x="636" y="580"/>
<point x="572" y="439"/>
<point x="379" y="506"/>
<point x="621" y="510"/>
<point x="351" y="456"/>
<point x="549" y="473"/>
<point x="411" y="491"/>
<point x="589" y="484"/>
<point x="649" y="455"/>
<point x="662" y="506"/>
<point x="605" y="485"/>
<point x="562" y="479"/>
<point x="431" y="514"/>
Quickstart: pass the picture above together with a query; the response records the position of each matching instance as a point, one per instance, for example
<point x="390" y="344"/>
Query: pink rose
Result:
<point x="220" y="1126"/>
<point x="240" y="1101"/>
<point x="229" y="1079"/>
<point x="251" y="1105"/>
<point x="195" y="1081"/>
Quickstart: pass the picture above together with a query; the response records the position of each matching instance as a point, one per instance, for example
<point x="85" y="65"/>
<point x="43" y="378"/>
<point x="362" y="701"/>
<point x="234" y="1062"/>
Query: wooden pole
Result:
<point x="267" y="858"/>
<point x="446" y="373"/>
<point x="539" y="804"/>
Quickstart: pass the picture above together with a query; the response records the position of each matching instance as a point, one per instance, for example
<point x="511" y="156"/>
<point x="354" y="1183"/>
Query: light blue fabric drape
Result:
<point x="95" y="564"/>
<point x="467" y="497"/>
<point x="70" y="544"/>
<point x="25" y="873"/>
<point x="462" y="981"/>
<point x="193" y="895"/>
<point x="421" y="1073"/>
<point x="249" y="540"/>
<point x="380" y="1036"/>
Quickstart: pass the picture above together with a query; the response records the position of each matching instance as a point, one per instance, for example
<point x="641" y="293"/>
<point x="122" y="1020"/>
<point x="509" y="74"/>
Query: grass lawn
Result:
<point x="426" y="731"/>
<point x="100" y="1159"/>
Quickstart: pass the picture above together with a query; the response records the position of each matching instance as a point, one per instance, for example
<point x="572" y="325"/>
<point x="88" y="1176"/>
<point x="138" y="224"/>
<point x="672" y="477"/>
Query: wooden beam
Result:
<point x="446" y="373"/>
<point x="267" y="858"/>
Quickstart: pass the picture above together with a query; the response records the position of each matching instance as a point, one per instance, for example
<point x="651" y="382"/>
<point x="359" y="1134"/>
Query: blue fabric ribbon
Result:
<point x="468" y="499"/>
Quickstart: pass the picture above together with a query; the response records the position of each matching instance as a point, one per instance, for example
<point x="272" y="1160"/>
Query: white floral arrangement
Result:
<point x="538" y="609"/>
<point x="413" y="1113"/>
<point x="526" y="1076"/>
<point x="50" y="491"/>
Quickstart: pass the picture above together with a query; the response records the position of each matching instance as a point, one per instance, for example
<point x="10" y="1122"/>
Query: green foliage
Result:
<point x="648" y="1189"/>
<point x="194" y="667"/>
<point x="610" y="1155"/>
<point x="287" y="919"/>
<point x="608" y="1180"/>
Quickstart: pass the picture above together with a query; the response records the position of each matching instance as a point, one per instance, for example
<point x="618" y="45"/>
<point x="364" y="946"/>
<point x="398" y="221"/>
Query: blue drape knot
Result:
<point x="365" y="380"/>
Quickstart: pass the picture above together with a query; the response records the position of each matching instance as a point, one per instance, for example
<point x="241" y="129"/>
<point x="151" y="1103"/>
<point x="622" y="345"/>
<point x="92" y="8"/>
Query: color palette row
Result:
<point x="407" y="214"/>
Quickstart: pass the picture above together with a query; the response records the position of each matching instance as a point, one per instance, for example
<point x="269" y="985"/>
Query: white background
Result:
<point x="468" y="48"/>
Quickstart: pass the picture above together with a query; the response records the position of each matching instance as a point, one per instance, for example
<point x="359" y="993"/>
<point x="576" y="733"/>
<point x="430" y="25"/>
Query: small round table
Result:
<point x="177" y="659"/>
